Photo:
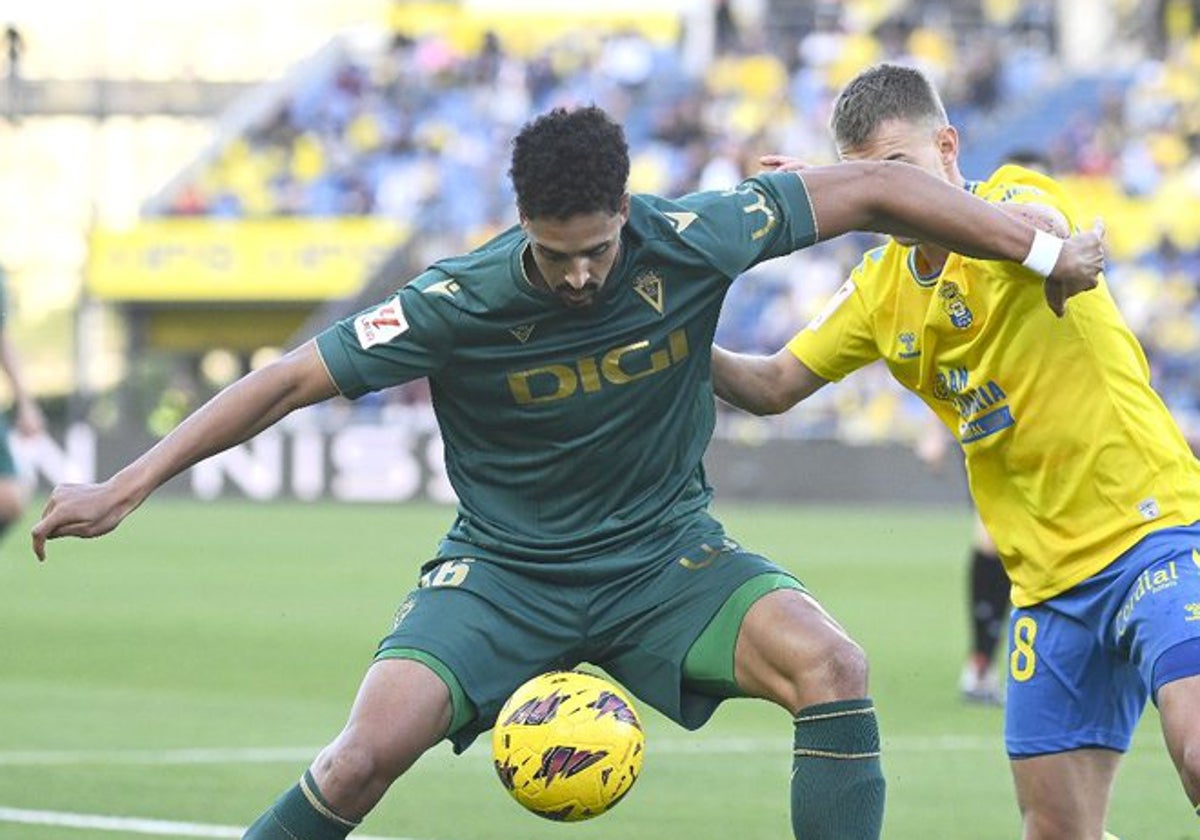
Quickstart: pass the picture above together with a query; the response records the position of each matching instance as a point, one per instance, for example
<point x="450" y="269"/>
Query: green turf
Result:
<point x="232" y="625"/>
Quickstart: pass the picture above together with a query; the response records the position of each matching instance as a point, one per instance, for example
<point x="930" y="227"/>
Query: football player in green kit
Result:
<point x="27" y="420"/>
<point x="569" y="363"/>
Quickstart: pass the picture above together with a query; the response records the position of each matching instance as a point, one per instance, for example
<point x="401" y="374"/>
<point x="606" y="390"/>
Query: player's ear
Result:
<point x="947" y="144"/>
<point x="623" y="209"/>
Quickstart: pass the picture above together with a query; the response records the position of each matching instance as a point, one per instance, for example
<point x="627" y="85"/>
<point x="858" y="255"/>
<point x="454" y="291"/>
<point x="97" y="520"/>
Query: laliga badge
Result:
<point x="381" y="324"/>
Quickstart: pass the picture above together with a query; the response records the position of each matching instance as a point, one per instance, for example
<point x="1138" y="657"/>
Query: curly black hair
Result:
<point x="569" y="162"/>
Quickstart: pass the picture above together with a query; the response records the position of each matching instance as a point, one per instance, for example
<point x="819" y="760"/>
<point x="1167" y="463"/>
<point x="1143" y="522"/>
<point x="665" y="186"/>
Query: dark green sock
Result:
<point x="837" y="780"/>
<point x="300" y="814"/>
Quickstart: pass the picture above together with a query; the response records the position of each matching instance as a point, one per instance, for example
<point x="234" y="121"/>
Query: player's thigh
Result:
<point x="790" y="650"/>
<point x="401" y="710"/>
<point x="1065" y="796"/>
<point x="1067" y="688"/>
<point x="483" y="630"/>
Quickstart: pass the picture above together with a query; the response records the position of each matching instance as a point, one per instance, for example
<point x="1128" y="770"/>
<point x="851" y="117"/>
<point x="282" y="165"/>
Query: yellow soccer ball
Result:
<point x="568" y="745"/>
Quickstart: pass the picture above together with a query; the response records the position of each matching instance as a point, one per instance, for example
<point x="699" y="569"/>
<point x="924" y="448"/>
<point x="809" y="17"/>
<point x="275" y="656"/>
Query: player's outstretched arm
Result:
<point x="762" y="384"/>
<point x="236" y="414"/>
<point x="903" y="200"/>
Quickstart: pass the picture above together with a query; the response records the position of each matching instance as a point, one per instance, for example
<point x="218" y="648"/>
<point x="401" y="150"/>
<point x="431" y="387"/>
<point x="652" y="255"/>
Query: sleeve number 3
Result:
<point x="1022" y="661"/>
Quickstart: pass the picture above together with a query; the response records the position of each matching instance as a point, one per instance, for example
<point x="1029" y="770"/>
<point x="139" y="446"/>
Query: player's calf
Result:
<point x="301" y="812"/>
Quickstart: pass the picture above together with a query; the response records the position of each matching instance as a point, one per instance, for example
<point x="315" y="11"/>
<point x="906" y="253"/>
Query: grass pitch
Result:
<point x="185" y="669"/>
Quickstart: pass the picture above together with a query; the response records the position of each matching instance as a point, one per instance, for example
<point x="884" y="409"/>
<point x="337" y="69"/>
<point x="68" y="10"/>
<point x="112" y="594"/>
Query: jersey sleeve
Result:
<point x="766" y="216"/>
<point x="405" y="337"/>
<point x="839" y="340"/>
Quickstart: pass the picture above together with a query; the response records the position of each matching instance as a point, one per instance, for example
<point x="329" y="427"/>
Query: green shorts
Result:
<point x="486" y="629"/>
<point x="8" y="466"/>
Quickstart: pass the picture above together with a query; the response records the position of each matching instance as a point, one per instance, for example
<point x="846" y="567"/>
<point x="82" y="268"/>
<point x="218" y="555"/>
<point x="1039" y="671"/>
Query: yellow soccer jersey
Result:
<point x="1071" y="456"/>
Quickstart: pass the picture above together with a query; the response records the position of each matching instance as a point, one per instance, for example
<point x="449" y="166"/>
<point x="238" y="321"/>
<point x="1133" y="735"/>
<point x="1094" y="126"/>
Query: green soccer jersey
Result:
<point x="567" y="432"/>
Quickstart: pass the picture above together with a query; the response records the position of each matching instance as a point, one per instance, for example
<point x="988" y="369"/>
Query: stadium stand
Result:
<point x="408" y="129"/>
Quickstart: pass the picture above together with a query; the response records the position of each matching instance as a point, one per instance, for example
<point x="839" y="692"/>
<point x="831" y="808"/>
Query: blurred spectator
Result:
<point x="728" y="37"/>
<point x="1174" y="21"/>
<point x="14" y="48"/>
<point x="417" y="132"/>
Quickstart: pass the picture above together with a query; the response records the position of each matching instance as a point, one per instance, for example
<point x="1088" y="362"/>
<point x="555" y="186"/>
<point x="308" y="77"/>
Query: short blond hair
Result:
<point x="881" y="93"/>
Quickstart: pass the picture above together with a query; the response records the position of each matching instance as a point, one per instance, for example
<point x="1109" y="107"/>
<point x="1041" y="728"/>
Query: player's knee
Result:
<point x="1189" y="765"/>
<point x="347" y="763"/>
<point x="355" y="763"/>
<point x="845" y="667"/>
<point x="1061" y="819"/>
<point x="835" y="670"/>
<point x="1046" y="824"/>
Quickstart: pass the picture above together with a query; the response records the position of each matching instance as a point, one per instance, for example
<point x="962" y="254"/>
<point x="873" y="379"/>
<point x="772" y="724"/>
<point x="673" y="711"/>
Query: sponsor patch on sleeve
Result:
<point x="381" y="324"/>
<point x="839" y="297"/>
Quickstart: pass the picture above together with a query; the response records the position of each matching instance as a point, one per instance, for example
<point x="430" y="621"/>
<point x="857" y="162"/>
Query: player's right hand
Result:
<point x="1078" y="268"/>
<point x="79" y="510"/>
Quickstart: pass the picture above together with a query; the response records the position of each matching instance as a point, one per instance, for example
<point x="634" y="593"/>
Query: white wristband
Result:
<point x="1043" y="253"/>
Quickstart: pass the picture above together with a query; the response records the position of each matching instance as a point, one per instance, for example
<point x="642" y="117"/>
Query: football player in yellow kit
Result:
<point x="1077" y="468"/>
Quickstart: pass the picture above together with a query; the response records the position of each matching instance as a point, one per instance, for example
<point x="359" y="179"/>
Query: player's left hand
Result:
<point x="1078" y="268"/>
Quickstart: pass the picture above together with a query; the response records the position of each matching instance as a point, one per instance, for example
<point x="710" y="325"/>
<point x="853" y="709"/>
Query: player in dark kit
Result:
<point x="27" y="420"/>
<point x="569" y="362"/>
